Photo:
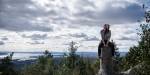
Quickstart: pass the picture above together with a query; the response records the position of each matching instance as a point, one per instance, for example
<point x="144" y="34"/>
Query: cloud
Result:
<point x="126" y="12"/>
<point x="16" y="18"/>
<point x="84" y="36"/>
<point x="45" y="15"/>
<point x="36" y="42"/>
<point x="4" y="38"/>
<point x="67" y="20"/>
<point x="127" y="38"/>
<point x="78" y="35"/>
<point x="91" y="38"/>
<point x="36" y="36"/>
<point x="2" y="43"/>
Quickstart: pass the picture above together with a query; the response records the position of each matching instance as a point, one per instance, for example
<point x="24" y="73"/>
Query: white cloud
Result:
<point x="58" y="22"/>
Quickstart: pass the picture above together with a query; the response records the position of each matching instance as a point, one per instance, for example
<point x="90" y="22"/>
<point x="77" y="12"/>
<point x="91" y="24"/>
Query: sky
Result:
<point x="38" y="25"/>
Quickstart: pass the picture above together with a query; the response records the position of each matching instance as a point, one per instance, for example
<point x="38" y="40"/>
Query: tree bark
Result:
<point x="106" y="62"/>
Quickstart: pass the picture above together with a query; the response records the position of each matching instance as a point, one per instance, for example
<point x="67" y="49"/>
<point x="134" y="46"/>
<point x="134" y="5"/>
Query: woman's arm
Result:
<point x="109" y="35"/>
<point x="102" y="36"/>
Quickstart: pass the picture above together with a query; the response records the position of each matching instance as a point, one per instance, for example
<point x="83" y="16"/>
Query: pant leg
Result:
<point x="99" y="48"/>
<point x="112" y="48"/>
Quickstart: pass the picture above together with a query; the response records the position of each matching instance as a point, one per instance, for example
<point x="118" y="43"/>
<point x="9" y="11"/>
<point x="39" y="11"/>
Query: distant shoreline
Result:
<point x="35" y="55"/>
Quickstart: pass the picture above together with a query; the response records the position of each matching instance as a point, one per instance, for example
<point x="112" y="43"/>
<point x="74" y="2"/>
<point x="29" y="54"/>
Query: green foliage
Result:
<point x="138" y="57"/>
<point x="72" y="48"/>
<point x="140" y="53"/>
<point x="71" y="64"/>
<point x="43" y="66"/>
<point x="117" y="64"/>
<point x="96" y="65"/>
<point x="142" y="69"/>
<point x="6" y="66"/>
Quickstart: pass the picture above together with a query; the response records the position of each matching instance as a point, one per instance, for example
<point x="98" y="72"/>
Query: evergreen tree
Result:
<point x="7" y="66"/>
<point x="138" y="56"/>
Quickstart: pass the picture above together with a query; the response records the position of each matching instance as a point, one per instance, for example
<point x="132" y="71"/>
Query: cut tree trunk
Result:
<point x="106" y="62"/>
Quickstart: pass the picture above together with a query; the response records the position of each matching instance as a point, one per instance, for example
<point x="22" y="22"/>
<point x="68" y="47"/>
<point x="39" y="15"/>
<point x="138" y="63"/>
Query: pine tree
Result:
<point x="140" y="54"/>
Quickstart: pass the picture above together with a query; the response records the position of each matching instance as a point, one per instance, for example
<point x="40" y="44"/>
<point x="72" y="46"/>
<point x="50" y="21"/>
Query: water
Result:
<point x="35" y="55"/>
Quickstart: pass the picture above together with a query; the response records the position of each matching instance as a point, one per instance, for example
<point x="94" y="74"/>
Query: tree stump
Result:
<point x="106" y="67"/>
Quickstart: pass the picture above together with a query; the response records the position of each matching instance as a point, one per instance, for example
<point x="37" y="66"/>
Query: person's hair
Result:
<point x="107" y="30"/>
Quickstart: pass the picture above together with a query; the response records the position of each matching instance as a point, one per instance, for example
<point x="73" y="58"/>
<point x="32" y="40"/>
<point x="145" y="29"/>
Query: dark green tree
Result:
<point x="43" y="66"/>
<point x="7" y="66"/>
<point x="72" y="58"/>
<point x="138" y="56"/>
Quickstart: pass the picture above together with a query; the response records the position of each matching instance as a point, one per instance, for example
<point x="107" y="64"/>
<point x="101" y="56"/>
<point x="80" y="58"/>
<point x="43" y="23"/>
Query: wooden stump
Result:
<point x="106" y="62"/>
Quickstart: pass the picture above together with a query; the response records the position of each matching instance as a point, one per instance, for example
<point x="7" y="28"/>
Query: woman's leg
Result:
<point x="99" y="48"/>
<point x="112" y="48"/>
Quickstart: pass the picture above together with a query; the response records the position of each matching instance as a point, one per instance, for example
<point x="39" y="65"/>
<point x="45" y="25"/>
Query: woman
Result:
<point x="105" y="35"/>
